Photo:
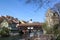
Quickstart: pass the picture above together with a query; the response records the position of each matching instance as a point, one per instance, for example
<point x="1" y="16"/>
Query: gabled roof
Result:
<point x="12" y="20"/>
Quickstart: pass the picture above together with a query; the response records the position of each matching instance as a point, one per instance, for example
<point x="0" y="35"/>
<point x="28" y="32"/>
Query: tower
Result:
<point x="52" y="17"/>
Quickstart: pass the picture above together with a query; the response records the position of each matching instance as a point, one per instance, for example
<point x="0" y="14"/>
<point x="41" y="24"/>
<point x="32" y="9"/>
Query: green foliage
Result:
<point x="58" y="38"/>
<point x="44" y="25"/>
<point x="4" y="31"/>
<point x="49" y="31"/>
<point x="55" y="29"/>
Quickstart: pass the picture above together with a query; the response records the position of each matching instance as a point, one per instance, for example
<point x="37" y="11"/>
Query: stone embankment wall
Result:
<point x="42" y="37"/>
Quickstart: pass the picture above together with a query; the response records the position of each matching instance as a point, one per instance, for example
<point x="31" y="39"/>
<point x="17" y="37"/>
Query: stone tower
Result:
<point x="52" y="17"/>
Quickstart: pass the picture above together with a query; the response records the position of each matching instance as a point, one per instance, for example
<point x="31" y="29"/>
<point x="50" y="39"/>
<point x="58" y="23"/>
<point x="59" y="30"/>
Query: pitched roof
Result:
<point x="30" y="24"/>
<point x="9" y="19"/>
<point x="1" y="19"/>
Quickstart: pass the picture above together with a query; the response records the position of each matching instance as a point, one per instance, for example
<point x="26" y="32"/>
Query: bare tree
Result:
<point x="57" y="7"/>
<point x="40" y="3"/>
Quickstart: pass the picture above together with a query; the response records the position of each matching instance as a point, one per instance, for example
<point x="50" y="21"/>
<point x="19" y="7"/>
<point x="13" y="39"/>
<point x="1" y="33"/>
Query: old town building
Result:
<point x="8" y="21"/>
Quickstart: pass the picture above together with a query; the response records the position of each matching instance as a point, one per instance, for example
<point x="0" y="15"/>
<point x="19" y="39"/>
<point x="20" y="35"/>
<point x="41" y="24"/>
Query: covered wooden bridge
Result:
<point x="30" y="26"/>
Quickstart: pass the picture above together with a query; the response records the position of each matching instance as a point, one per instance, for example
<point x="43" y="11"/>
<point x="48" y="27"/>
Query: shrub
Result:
<point x="58" y="38"/>
<point x="4" y="31"/>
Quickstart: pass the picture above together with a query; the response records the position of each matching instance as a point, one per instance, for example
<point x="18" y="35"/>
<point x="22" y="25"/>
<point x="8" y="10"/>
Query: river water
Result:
<point x="18" y="37"/>
<point x="24" y="37"/>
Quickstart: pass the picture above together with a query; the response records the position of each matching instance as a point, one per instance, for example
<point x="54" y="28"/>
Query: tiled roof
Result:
<point x="1" y="19"/>
<point x="9" y="19"/>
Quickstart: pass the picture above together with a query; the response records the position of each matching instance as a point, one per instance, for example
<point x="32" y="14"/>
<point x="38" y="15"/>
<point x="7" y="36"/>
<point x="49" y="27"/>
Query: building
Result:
<point x="52" y="17"/>
<point x="4" y="23"/>
<point x="8" y="21"/>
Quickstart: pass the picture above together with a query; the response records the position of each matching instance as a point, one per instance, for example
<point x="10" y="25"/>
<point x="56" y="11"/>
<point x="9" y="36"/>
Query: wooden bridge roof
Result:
<point x="30" y="25"/>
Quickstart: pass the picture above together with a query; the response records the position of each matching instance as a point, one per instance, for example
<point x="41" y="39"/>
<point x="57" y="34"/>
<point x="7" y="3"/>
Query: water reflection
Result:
<point x="11" y="38"/>
<point x="36" y="32"/>
<point x="23" y="37"/>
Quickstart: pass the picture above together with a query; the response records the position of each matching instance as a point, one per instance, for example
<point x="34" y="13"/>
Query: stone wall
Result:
<point x="41" y="37"/>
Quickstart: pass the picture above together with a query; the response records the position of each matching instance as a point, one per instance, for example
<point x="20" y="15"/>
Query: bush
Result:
<point x="4" y="32"/>
<point x="58" y="38"/>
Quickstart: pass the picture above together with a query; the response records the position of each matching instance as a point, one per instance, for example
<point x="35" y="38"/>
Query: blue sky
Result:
<point x="20" y="10"/>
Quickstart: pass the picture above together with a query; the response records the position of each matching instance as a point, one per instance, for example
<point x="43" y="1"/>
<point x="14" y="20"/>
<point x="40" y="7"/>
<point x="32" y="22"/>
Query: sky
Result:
<point x="18" y="9"/>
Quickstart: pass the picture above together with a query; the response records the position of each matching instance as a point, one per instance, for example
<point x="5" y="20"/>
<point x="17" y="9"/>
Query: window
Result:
<point x="31" y="27"/>
<point x="28" y="28"/>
